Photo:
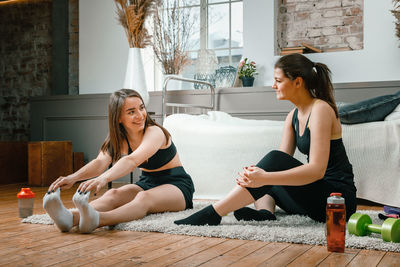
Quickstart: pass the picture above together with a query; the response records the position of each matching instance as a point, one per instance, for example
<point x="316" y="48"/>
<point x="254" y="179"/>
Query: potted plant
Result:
<point x="246" y="72"/>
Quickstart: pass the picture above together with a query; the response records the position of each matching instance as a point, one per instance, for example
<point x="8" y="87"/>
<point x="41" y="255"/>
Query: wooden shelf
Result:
<point x="303" y="49"/>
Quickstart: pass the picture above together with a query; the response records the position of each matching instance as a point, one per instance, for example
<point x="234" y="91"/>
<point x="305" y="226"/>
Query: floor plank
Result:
<point x="236" y="254"/>
<point x="210" y="253"/>
<point x="390" y="259"/>
<point x="367" y="258"/>
<point x="286" y="256"/>
<point x="185" y="253"/>
<point x="163" y="252"/>
<point x="261" y="255"/>
<point x="130" y="254"/>
<point x="312" y="257"/>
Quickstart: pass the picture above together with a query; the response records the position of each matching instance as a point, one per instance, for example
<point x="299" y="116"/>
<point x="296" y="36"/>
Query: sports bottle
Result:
<point x="25" y="202"/>
<point x="335" y="223"/>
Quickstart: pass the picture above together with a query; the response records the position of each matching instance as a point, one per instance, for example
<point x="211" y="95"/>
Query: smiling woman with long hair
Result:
<point x="134" y="141"/>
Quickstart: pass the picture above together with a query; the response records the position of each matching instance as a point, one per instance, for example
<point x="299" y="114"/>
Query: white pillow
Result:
<point x="394" y="115"/>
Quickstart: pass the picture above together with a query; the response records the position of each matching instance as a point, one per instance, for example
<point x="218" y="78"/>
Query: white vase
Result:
<point x="134" y="77"/>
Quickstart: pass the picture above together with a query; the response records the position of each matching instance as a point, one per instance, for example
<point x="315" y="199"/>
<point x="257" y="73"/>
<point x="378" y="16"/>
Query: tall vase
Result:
<point x="134" y="77"/>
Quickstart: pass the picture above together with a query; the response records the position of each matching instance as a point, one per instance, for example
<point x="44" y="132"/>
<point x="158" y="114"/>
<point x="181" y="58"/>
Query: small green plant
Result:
<point x="247" y="69"/>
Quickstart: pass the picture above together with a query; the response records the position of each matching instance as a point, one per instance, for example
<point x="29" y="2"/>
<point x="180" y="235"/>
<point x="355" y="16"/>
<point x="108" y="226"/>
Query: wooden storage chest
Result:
<point x="48" y="160"/>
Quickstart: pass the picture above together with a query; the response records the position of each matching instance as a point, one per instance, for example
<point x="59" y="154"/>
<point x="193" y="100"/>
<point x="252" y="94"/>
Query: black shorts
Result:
<point x="176" y="176"/>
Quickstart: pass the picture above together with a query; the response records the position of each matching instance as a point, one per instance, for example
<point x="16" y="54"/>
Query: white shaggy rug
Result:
<point x="287" y="228"/>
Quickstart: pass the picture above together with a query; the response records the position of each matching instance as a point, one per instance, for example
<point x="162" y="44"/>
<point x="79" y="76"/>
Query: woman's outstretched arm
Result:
<point x="153" y="139"/>
<point x="90" y="170"/>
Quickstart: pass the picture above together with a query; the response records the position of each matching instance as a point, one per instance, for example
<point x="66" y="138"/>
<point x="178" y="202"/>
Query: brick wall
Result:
<point x="325" y="24"/>
<point x="25" y="61"/>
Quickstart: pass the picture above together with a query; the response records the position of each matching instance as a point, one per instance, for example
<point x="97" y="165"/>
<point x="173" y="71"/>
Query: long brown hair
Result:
<point x="116" y="131"/>
<point x="316" y="76"/>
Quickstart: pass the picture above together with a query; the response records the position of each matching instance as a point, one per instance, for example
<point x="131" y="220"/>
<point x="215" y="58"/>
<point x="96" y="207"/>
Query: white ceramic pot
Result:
<point x="135" y="77"/>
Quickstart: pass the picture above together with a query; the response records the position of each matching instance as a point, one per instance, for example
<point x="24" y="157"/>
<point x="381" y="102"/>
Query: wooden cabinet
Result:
<point x="78" y="161"/>
<point x="47" y="160"/>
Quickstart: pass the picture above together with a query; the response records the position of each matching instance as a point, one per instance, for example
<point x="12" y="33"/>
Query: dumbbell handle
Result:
<point x="374" y="228"/>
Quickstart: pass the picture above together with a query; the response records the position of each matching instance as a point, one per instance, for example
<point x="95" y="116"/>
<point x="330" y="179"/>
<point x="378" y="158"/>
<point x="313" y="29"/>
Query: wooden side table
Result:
<point x="48" y="160"/>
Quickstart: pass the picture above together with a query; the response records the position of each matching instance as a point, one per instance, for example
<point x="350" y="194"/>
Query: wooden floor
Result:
<point x="43" y="245"/>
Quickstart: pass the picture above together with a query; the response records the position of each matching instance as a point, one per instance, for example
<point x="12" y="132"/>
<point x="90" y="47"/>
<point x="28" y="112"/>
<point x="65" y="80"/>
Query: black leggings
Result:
<point x="309" y="199"/>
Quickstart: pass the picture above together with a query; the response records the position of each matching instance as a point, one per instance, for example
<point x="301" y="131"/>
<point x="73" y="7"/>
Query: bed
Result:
<point x="214" y="146"/>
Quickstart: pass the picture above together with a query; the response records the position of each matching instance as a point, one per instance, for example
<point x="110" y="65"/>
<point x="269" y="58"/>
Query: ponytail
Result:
<point x="316" y="76"/>
<point x="324" y="88"/>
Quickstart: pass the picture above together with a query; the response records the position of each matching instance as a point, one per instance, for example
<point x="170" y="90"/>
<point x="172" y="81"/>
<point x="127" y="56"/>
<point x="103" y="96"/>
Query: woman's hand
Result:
<point x="251" y="177"/>
<point x="92" y="185"/>
<point x="62" y="183"/>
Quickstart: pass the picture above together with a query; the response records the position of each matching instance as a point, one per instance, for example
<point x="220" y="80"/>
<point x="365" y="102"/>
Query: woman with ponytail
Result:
<point x="313" y="126"/>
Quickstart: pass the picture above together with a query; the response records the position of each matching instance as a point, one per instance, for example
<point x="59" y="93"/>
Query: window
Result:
<point x="218" y="27"/>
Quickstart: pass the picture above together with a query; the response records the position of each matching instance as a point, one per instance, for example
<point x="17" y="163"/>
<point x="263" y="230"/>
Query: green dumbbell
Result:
<point x="361" y="225"/>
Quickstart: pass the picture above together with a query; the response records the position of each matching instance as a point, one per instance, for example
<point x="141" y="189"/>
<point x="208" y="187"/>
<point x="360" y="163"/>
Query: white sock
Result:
<point x="53" y="205"/>
<point x="89" y="217"/>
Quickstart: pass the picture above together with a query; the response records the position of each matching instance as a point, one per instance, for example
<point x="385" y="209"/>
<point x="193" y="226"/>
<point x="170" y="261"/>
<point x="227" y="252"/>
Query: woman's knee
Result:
<point x="270" y="160"/>
<point x="144" y="199"/>
<point x="277" y="160"/>
<point x="119" y="196"/>
<point x="277" y="155"/>
<point x="111" y="193"/>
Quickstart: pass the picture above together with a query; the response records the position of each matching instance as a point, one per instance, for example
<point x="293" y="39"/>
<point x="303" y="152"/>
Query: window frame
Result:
<point x="204" y="33"/>
<point x="204" y="27"/>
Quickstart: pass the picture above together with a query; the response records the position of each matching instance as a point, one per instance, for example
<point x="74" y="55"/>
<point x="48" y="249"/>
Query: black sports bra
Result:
<point x="302" y="141"/>
<point x="159" y="159"/>
<point x="339" y="167"/>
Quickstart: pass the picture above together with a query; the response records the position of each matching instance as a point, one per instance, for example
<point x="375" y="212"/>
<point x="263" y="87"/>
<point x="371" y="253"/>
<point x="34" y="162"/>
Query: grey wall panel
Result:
<point x="64" y="106"/>
<point x="77" y="129"/>
<point x="87" y="134"/>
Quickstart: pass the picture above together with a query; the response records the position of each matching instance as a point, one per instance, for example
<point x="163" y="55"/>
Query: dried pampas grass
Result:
<point x="172" y="29"/>
<point x="132" y="15"/>
<point x="396" y="13"/>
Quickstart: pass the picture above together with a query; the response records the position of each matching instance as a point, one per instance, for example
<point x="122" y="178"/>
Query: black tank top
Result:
<point x="339" y="167"/>
<point x="159" y="159"/>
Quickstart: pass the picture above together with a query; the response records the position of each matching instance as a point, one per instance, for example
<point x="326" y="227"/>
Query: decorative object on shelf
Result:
<point x="246" y="72"/>
<point x="132" y="15"/>
<point x="303" y="49"/>
<point x="205" y="67"/>
<point x="225" y="76"/>
<point x="396" y="14"/>
<point x="172" y="28"/>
